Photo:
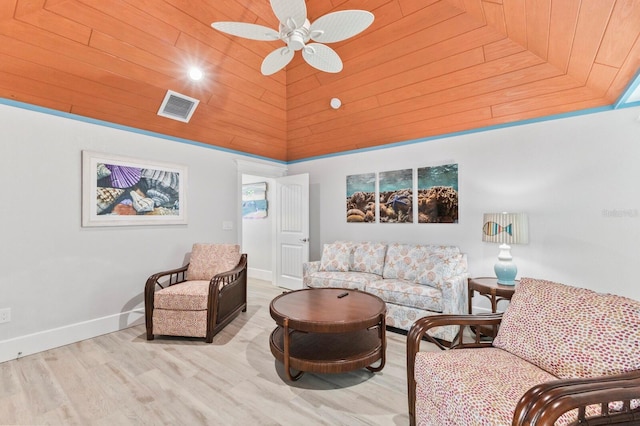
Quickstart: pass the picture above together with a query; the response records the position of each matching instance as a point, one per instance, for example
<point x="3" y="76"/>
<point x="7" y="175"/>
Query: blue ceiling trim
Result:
<point x="461" y="133"/>
<point x="76" y="117"/>
<point x="632" y="87"/>
<point x="619" y="104"/>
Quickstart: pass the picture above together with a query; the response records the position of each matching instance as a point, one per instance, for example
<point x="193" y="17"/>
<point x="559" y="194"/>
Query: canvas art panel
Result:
<point x="438" y="194"/>
<point x="361" y="198"/>
<point x="254" y="200"/>
<point x="122" y="191"/>
<point x="396" y="196"/>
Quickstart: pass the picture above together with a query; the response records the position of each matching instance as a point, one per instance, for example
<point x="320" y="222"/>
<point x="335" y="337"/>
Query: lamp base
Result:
<point x="506" y="272"/>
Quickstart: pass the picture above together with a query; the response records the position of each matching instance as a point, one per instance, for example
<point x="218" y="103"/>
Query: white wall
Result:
<point x="257" y="235"/>
<point x="64" y="282"/>
<point x="566" y="174"/>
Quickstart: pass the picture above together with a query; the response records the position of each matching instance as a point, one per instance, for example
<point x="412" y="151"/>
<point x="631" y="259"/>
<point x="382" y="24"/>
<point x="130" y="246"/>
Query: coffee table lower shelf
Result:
<point x="328" y="352"/>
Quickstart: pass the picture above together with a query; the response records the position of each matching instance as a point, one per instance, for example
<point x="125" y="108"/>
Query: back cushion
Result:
<point x="208" y="260"/>
<point x="336" y="256"/>
<point x="570" y="331"/>
<point x="368" y="257"/>
<point x="403" y="261"/>
<point x="437" y="268"/>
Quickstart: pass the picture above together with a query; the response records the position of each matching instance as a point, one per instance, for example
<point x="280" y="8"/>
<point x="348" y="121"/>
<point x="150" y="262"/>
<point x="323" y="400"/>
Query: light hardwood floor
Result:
<point x="123" y="379"/>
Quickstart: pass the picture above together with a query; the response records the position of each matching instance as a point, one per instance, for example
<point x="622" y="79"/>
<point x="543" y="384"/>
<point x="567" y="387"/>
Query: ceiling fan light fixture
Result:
<point x="295" y="42"/>
<point x="295" y="37"/>
<point x="296" y="31"/>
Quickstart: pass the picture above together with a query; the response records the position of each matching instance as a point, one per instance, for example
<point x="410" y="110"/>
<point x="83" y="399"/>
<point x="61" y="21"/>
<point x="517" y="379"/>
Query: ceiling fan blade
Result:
<point x="341" y="25"/>
<point x="246" y="30"/>
<point x="291" y="13"/>
<point x="276" y="60"/>
<point x="322" y="57"/>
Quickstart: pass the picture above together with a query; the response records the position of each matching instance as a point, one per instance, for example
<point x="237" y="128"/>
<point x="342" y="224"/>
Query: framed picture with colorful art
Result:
<point x="254" y="200"/>
<point x="122" y="191"/>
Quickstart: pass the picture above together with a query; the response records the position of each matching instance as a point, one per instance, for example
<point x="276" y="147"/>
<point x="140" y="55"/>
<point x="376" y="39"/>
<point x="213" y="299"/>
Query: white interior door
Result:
<point x="292" y="230"/>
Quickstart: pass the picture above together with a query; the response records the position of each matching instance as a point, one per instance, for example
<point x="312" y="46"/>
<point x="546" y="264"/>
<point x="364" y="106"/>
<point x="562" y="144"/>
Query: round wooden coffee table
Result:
<point x="328" y="330"/>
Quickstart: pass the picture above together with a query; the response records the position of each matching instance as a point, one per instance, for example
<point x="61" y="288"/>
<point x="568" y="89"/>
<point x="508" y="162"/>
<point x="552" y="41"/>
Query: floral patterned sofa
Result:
<point x="414" y="280"/>
<point x="562" y="355"/>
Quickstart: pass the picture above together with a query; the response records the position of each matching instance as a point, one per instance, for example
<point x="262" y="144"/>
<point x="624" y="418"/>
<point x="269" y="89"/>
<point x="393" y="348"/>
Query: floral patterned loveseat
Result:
<point x="414" y="280"/>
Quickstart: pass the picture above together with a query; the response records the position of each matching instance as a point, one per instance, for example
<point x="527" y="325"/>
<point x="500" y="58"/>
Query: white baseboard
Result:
<point x="56" y="337"/>
<point x="260" y="274"/>
<point x="41" y="341"/>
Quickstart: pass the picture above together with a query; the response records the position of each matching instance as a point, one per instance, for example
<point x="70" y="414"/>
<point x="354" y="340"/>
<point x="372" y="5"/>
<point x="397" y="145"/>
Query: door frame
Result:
<point x="255" y="168"/>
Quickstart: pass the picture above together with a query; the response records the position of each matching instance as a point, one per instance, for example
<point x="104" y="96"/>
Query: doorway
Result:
<point x="278" y="243"/>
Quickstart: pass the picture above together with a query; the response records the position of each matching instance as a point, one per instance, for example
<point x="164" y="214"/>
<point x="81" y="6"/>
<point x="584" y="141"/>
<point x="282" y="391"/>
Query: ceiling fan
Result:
<point x="296" y="31"/>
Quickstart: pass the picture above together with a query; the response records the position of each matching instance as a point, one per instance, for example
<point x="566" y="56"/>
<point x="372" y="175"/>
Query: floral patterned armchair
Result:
<point x="200" y="298"/>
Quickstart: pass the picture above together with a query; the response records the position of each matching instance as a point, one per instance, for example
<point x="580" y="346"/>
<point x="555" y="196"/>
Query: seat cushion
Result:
<point x="186" y="296"/>
<point x="571" y="331"/>
<point x="352" y="280"/>
<point x="461" y="387"/>
<point x="406" y="293"/>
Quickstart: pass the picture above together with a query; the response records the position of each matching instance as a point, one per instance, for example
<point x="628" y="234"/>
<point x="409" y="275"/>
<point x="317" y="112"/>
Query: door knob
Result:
<point x="304" y="240"/>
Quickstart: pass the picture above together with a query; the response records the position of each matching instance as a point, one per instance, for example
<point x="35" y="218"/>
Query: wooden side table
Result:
<point x="489" y="288"/>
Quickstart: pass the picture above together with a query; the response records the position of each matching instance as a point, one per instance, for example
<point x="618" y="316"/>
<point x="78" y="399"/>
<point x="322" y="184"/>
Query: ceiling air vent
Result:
<point x="177" y="106"/>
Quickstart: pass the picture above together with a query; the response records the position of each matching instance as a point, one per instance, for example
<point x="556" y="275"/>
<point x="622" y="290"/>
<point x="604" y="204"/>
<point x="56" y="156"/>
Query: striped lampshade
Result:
<point x="507" y="228"/>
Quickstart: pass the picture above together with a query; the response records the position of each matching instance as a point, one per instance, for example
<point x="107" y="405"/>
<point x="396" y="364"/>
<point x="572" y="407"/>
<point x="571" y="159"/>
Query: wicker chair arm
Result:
<point x="419" y="330"/>
<point x="543" y="404"/>
<point x="176" y="276"/>
<point x="225" y="277"/>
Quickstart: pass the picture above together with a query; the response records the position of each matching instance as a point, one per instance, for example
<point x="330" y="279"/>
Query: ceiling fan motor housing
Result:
<point x="296" y="38"/>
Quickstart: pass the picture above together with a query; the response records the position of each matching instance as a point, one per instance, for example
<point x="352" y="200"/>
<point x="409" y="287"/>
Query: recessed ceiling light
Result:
<point x="195" y="74"/>
<point x="335" y="103"/>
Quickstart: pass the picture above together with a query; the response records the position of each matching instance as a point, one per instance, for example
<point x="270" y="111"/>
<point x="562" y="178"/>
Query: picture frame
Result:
<point x="254" y="200"/>
<point x="124" y="191"/>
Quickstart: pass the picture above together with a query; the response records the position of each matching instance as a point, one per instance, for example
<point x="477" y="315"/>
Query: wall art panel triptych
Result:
<point x="438" y="194"/>
<point x="361" y="198"/>
<point x="423" y="195"/>
<point x="396" y="196"/>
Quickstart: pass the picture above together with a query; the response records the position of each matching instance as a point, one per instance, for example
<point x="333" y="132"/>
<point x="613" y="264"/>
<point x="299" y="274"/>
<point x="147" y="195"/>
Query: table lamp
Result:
<point x="505" y="228"/>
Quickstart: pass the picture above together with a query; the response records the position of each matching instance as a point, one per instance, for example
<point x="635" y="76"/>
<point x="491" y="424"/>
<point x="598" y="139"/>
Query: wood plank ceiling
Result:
<point x="424" y="68"/>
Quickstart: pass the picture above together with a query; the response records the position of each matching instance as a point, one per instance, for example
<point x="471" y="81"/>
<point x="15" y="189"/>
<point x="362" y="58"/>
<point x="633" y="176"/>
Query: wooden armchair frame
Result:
<point x="227" y="295"/>
<point x="543" y="404"/>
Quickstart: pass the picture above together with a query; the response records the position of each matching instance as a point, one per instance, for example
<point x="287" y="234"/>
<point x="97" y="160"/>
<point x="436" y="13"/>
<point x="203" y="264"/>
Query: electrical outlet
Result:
<point x="5" y="315"/>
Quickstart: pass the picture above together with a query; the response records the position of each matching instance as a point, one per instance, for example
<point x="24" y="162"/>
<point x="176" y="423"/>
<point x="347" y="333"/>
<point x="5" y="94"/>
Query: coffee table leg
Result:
<point x="287" y="342"/>
<point x="383" y="342"/>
